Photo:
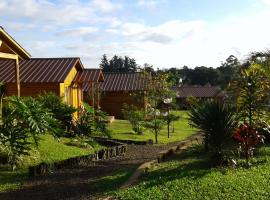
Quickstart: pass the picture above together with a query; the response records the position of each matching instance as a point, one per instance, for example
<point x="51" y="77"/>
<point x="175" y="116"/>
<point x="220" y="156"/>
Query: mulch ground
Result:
<point x="79" y="183"/>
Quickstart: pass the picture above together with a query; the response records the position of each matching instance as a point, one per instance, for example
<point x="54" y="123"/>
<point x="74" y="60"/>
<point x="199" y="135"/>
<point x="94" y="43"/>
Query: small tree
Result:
<point x="252" y="92"/>
<point x="158" y="90"/>
<point x="170" y="118"/>
<point x="135" y="116"/>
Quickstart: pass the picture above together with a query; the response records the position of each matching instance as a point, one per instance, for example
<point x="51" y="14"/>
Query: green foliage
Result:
<point x="61" y="111"/>
<point x="2" y="92"/>
<point x="23" y="118"/>
<point x="118" y="64"/>
<point x="155" y="125"/>
<point x="252" y="93"/>
<point x="169" y="119"/>
<point x="101" y="123"/>
<point x="135" y="116"/>
<point x="217" y="121"/>
<point x="85" y="125"/>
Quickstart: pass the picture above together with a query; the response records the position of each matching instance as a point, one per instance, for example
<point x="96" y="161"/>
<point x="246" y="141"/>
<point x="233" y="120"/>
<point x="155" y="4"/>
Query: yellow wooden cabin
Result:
<point x="28" y="76"/>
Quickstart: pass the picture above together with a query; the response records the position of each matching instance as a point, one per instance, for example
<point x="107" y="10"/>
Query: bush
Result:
<point x="135" y="117"/>
<point x="61" y="111"/>
<point x="85" y="125"/>
<point x="217" y="121"/>
<point x="24" y="119"/>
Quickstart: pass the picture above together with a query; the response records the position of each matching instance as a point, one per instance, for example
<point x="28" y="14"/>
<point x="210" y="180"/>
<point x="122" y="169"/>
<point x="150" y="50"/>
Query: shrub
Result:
<point x="61" y="111"/>
<point x="85" y="125"/>
<point x="101" y="123"/>
<point x="217" y="121"/>
<point x="135" y="116"/>
<point x="24" y="119"/>
<point x="248" y="137"/>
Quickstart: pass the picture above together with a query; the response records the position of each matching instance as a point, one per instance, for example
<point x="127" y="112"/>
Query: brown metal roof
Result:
<point x="131" y="81"/>
<point x="89" y="76"/>
<point x="39" y="70"/>
<point x="199" y="91"/>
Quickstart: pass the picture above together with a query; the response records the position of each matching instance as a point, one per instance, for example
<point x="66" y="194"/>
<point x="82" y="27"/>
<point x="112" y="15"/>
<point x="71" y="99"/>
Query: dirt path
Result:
<point x="80" y="182"/>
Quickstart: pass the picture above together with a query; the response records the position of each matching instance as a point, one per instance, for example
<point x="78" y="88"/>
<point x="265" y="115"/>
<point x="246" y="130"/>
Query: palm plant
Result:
<point x="217" y="121"/>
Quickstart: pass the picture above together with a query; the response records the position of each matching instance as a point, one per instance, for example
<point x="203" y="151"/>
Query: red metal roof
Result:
<point x="130" y="81"/>
<point x="39" y="70"/>
<point x="199" y="91"/>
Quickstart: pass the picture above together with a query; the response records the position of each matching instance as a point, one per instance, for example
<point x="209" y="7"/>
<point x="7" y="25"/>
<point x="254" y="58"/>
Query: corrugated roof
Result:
<point x="199" y="91"/>
<point x="131" y="81"/>
<point x="38" y="70"/>
<point x="89" y="76"/>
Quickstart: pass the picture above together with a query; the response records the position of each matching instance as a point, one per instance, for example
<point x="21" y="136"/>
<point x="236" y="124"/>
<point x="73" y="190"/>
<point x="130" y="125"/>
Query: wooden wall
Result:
<point x="112" y="103"/>
<point x="32" y="89"/>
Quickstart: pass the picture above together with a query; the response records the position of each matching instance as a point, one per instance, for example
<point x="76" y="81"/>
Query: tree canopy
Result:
<point x="118" y="64"/>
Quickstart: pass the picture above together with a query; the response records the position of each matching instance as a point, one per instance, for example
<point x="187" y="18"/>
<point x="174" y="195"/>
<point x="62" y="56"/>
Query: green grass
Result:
<point x="189" y="176"/>
<point x="48" y="151"/>
<point x="121" y="129"/>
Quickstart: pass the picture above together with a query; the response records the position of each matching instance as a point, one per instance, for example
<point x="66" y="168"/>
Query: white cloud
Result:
<point x="81" y="31"/>
<point x="62" y="13"/>
<point x="265" y="2"/>
<point x="149" y="3"/>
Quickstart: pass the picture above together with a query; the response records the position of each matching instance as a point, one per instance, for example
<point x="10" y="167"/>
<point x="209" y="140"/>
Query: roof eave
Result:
<point x="9" y="40"/>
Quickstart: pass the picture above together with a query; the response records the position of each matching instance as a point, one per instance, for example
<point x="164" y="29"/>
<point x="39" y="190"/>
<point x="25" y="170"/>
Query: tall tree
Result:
<point x="118" y="64"/>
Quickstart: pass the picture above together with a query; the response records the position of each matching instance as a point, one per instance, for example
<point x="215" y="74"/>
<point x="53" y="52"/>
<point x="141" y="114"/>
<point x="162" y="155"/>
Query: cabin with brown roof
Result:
<point x="118" y="88"/>
<point x="28" y="76"/>
<point x="200" y="92"/>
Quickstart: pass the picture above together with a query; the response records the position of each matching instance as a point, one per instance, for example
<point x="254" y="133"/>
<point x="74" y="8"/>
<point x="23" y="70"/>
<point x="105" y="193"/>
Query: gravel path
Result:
<point x="79" y="183"/>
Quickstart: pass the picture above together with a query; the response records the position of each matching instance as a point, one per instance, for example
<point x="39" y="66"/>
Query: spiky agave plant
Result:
<point x="217" y="121"/>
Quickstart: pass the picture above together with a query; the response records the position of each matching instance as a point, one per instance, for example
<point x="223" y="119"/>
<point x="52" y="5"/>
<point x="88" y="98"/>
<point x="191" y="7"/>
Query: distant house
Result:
<point x="28" y="76"/>
<point x="201" y="92"/>
<point x="118" y="89"/>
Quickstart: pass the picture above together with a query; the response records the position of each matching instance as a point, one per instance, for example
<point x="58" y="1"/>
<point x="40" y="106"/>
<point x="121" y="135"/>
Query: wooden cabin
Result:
<point x="91" y="80"/>
<point x="118" y="88"/>
<point x="28" y="76"/>
<point x="11" y="50"/>
<point x="200" y="92"/>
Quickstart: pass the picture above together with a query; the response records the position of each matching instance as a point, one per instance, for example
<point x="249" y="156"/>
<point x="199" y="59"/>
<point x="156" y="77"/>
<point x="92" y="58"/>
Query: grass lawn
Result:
<point x="49" y="150"/>
<point x="188" y="176"/>
<point x="121" y="129"/>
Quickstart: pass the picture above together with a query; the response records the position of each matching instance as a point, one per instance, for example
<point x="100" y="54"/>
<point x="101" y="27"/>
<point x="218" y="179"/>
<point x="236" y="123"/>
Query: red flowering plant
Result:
<point x="248" y="137"/>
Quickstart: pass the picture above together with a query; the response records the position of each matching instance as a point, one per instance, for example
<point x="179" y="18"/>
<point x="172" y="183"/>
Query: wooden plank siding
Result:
<point x="28" y="89"/>
<point x="112" y="102"/>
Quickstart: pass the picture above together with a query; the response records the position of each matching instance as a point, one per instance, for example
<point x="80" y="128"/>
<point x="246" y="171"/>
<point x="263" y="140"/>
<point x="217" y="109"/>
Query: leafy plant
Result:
<point x="169" y="119"/>
<point x="85" y="125"/>
<point x="248" y="138"/>
<point x="101" y="123"/>
<point x="217" y="121"/>
<point x="252" y="93"/>
<point x="2" y="92"/>
<point x="155" y="125"/>
<point x="61" y="111"/>
<point x="24" y="119"/>
<point x="135" y="116"/>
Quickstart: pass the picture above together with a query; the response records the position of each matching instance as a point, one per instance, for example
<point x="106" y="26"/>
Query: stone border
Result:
<point x="117" y="149"/>
<point x="143" y="168"/>
<point x="124" y="141"/>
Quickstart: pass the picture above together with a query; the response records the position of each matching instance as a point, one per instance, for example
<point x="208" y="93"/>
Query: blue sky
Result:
<point x="165" y="33"/>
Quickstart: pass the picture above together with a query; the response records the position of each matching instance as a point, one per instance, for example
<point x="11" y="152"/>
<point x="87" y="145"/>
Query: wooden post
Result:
<point x="17" y="68"/>
<point x="97" y="94"/>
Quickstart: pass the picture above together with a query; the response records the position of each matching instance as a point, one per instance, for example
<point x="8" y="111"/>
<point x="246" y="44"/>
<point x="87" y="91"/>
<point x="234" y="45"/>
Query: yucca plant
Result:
<point x="217" y="121"/>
